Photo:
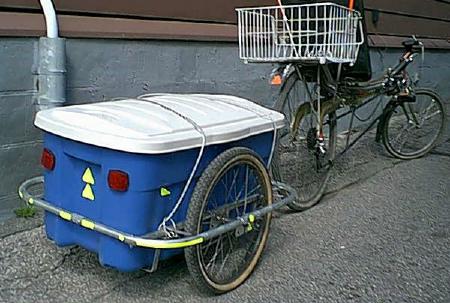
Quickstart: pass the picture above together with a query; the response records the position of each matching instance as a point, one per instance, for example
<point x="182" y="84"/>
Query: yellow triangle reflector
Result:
<point x="88" y="193"/>
<point x="164" y="192"/>
<point x="88" y="177"/>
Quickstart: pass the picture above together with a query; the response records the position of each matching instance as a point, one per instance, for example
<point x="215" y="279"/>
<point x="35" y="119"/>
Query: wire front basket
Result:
<point x="320" y="32"/>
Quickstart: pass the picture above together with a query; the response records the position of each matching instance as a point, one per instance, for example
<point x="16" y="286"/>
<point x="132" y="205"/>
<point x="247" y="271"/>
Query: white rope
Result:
<point x="168" y="218"/>
<point x="266" y="117"/>
<point x="239" y="105"/>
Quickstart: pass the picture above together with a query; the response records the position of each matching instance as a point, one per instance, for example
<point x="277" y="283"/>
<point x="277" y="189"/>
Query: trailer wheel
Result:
<point x="234" y="184"/>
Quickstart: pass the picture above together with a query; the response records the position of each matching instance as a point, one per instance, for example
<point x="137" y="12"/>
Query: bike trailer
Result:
<point x="122" y="166"/>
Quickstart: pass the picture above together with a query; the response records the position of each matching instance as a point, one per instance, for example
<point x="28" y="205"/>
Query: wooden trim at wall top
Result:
<point x="398" y="25"/>
<point x="415" y="8"/>
<point x="26" y="24"/>
<point x="33" y="25"/>
<point x="380" y="41"/>
<point x="192" y="10"/>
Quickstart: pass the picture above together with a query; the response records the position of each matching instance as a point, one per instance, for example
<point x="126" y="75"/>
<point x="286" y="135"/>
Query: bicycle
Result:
<point x="306" y="40"/>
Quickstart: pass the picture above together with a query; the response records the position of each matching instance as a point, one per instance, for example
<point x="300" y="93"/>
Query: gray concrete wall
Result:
<point x="103" y="69"/>
<point x="19" y="141"/>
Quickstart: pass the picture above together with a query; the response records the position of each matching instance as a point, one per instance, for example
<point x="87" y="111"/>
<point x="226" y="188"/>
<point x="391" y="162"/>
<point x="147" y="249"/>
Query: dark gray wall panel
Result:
<point x="16" y="62"/>
<point x="17" y="163"/>
<point x="102" y="69"/>
<point x="16" y="112"/>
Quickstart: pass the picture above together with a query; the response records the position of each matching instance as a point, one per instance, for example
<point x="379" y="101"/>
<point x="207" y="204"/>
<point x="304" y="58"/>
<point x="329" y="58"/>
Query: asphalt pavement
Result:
<point x="381" y="234"/>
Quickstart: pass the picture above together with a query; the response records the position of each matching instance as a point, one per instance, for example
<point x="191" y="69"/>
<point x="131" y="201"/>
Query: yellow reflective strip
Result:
<point x="251" y="218"/>
<point x="65" y="215"/>
<point x="30" y="201"/>
<point x="20" y="195"/>
<point x="87" y="224"/>
<point x="159" y="245"/>
<point x="121" y="238"/>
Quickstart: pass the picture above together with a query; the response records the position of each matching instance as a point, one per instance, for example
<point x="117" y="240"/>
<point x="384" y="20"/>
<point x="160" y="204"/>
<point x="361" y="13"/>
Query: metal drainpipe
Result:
<point x="51" y="74"/>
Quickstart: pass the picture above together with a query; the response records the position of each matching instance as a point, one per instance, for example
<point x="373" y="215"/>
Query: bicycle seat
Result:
<point x="410" y="43"/>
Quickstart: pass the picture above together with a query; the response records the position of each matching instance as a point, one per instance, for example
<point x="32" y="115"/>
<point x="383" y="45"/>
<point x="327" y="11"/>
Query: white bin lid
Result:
<point x="143" y="126"/>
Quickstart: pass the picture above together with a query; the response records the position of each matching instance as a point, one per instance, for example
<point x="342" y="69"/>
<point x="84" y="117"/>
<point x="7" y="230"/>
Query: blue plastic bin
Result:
<point x="156" y="180"/>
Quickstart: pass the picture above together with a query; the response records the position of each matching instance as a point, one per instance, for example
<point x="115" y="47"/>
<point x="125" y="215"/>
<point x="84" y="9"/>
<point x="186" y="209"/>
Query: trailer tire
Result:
<point x="209" y="187"/>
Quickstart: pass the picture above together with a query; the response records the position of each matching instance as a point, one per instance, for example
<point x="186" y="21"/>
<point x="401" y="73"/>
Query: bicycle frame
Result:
<point x="393" y="83"/>
<point x="349" y="143"/>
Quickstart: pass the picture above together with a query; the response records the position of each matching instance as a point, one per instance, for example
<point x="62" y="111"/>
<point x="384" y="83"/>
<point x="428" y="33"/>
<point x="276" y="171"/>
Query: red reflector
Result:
<point x="118" y="180"/>
<point x="48" y="159"/>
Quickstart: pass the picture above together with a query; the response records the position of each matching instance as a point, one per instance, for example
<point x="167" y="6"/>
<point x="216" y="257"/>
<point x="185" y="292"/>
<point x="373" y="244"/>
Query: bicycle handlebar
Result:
<point x="409" y="54"/>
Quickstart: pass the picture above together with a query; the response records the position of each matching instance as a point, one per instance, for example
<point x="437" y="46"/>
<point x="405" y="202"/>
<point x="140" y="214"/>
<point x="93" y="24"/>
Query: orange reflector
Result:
<point x="351" y="4"/>
<point x="276" y="80"/>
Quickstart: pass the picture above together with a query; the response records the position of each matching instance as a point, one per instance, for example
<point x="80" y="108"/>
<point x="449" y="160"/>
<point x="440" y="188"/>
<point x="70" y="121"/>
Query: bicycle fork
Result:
<point x="321" y="150"/>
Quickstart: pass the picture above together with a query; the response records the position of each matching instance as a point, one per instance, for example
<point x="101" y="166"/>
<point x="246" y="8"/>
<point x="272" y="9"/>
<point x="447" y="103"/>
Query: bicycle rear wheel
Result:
<point x="412" y="129"/>
<point x="296" y="160"/>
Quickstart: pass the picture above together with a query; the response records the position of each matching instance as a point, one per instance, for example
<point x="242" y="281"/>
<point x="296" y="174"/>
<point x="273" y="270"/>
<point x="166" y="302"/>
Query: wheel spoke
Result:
<point x="429" y="117"/>
<point x="212" y="261"/>
<point x="246" y="188"/>
<point x="228" y="194"/>
<point x="405" y="129"/>
<point x="229" y="251"/>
